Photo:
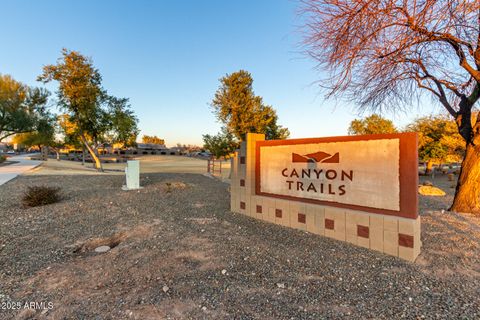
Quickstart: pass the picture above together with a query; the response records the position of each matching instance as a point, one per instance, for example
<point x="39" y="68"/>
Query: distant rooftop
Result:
<point x="152" y="146"/>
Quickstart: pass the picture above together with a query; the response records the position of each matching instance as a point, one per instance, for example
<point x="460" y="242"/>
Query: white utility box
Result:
<point x="132" y="174"/>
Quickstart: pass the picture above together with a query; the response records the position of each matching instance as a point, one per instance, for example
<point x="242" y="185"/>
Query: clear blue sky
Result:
<point x="167" y="57"/>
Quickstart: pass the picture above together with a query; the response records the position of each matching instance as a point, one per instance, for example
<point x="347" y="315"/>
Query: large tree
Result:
<point x="241" y="111"/>
<point x="21" y="107"/>
<point x="386" y="54"/>
<point x="96" y="116"/>
<point x="374" y="124"/>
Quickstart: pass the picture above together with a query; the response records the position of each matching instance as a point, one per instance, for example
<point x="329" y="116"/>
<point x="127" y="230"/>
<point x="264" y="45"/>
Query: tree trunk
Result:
<point x="428" y="169"/>
<point x="96" y="159"/>
<point x="468" y="186"/>
<point x="56" y="152"/>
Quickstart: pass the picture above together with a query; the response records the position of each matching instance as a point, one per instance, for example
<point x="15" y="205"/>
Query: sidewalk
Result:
<point x="11" y="171"/>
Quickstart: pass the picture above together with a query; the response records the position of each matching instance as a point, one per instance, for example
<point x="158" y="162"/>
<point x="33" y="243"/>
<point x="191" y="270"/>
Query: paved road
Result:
<point x="24" y="164"/>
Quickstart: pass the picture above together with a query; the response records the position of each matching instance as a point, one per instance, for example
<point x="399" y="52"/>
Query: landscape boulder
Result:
<point x="430" y="191"/>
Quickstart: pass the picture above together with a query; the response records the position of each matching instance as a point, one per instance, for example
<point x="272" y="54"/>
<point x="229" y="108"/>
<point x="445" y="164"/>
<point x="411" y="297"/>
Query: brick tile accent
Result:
<point x="242" y="160"/>
<point x="329" y="224"/>
<point x="242" y="182"/>
<point x="302" y="218"/>
<point x="363" y="231"/>
<point x="405" y="240"/>
<point x="242" y="205"/>
<point x="278" y="213"/>
<point x="259" y="209"/>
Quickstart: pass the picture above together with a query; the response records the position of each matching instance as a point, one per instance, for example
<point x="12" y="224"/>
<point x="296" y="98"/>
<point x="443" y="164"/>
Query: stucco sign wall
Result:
<point x="343" y="171"/>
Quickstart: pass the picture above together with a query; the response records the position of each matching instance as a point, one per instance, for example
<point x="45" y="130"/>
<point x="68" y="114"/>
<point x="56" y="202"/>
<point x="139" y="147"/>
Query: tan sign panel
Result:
<point x="353" y="172"/>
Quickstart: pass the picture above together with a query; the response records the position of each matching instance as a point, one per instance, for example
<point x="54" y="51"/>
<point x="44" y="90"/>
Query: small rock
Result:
<point x="165" y="289"/>
<point x="281" y="285"/>
<point x="102" y="249"/>
<point x="204" y="308"/>
<point x="224" y="272"/>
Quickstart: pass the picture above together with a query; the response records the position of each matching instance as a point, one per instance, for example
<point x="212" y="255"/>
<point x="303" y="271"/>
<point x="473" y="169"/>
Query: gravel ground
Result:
<point x="178" y="253"/>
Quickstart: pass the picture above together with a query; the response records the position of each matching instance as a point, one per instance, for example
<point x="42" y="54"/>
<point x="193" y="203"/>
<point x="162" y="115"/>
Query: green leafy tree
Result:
<point x="21" y="107"/>
<point x="374" y="124"/>
<point x="241" y="111"/>
<point x="220" y="145"/>
<point x="438" y="140"/>
<point x="44" y="135"/>
<point x="123" y="127"/>
<point x="93" y="113"/>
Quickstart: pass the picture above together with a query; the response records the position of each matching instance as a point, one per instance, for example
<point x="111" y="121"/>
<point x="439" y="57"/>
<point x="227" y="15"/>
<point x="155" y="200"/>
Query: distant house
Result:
<point x="151" y="146"/>
<point x="140" y="149"/>
<point x="148" y="149"/>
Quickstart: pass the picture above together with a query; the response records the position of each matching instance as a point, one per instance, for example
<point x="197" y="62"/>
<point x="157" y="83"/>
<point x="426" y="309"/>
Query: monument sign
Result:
<point x="360" y="189"/>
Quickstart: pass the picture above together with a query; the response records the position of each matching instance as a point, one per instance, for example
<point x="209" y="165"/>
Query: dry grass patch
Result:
<point x="174" y="185"/>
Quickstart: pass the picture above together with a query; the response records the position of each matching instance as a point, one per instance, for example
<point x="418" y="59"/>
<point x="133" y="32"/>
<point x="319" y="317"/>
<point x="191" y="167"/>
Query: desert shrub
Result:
<point x="41" y="195"/>
<point x="2" y="159"/>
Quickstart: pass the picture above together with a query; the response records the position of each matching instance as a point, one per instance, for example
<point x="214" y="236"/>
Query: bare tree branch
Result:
<point x="385" y="54"/>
